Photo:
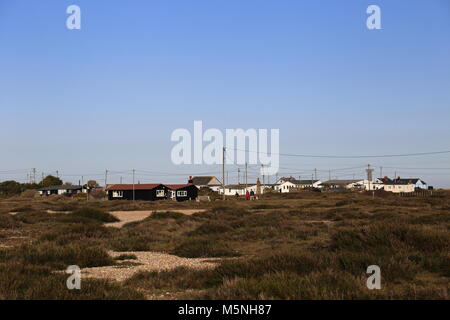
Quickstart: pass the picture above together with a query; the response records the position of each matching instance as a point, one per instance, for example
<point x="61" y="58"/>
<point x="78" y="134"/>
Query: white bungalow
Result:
<point x="295" y="185"/>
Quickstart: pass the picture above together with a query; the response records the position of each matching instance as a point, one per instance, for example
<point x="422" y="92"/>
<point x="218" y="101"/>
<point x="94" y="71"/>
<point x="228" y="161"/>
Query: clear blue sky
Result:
<point x="109" y="95"/>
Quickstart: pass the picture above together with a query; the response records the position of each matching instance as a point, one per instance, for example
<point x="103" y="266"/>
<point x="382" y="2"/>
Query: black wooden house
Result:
<point x="183" y="192"/>
<point x="151" y="192"/>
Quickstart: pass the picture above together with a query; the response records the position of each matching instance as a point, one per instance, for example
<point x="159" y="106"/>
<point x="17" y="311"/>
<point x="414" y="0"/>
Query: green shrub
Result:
<point x="211" y="227"/>
<point x="8" y="222"/>
<point x="72" y="233"/>
<point x="288" y="286"/>
<point x="96" y="214"/>
<point x="180" y="278"/>
<point x="48" y="254"/>
<point x="202" y="248"/>
<point x="167" y="215"/>
<point x="29" y="282"/>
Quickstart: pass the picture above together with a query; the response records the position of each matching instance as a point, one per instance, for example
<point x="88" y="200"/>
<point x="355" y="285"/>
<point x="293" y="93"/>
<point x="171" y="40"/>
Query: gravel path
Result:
<point x="130" y="216"/>
<point x="149" y="261"/>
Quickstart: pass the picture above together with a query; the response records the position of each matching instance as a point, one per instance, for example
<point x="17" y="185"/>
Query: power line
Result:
<point x="351" y="157"/>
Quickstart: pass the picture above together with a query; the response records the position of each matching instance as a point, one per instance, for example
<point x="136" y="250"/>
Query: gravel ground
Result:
<point x="149" y="261"/>
<point x="130" y="216"/>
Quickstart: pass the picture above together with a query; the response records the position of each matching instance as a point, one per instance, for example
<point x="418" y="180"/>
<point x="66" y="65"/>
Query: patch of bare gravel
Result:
<point x="131" y="216"/>
<point x="147" y="261"/>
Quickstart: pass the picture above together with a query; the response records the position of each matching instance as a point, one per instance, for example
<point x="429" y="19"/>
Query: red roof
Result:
<point x="178" y="186"/>
<point x="123" y="187"/>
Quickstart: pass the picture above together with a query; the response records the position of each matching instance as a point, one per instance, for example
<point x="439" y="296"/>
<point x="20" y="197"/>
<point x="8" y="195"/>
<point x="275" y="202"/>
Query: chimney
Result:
<point x="190" y="179"/>
<point x="258" y="186"/>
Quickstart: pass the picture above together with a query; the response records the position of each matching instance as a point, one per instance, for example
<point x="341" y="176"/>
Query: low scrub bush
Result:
<point x="176" y="279"/>
<point x="167" y="215"/>
<point x="212" y="227"/>
<point x="95" y="214"/>
<point x="288" y="285"/>
<point x="48" y="254"/>
<point x="8" y="222"/>
<point x="29" y="282"/>
<point x="203" y="248"/>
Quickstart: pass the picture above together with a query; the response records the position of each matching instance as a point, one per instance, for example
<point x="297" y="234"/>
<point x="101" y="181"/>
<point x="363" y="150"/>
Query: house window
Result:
<point x="117" y="194"/>
<point x="181" y="193"/>
<point x="160" y="193"/>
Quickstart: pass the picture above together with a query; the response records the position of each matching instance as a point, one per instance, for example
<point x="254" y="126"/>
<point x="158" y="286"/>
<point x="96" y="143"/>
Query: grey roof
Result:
<point x="303" y="181"/>
<point x="404" y="181"/>
<point x="236" y="186"/>
<point x="341" y="182"/>
<point x="202" y="180"/>
<point x="62" y="187"/>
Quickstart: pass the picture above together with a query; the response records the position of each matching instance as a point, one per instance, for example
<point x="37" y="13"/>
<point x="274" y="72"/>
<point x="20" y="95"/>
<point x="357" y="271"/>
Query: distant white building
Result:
<point x="60" y="190"/>
<point x="344" y="184"/>
<point x="292" y="185"/>
<point x="404" y="185"/>
<point x="241" y="189"/>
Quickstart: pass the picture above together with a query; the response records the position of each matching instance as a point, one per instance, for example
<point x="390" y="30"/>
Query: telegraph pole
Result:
<point x="369" y="175"/>
<point x="315" y="174"/>
<point x="239" y="171"/>
<point x="133" y="184"/>
<point x="262" y="170"/>
<point x="106" y="179"/>
<point x="223" y="172"/>
<point x="246" y="182"/>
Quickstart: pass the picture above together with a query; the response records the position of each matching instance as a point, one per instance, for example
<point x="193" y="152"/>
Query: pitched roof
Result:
<point x="178" y="186"/>
<point x="342" y="182"/>
<point x="302" y="181"/>
<point x="404" y="181"/>
<point x="236" y="186"/>
<point x="202" y="180"/>
<point x="123" y="187"/>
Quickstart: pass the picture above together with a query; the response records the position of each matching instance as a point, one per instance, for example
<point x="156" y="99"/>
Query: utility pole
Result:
<point x="106" y="179"/>
<point x="34" y="175"/>
<point x="315" y="174"/>
<point x="369" y="175"/>
<point x="223" y="172"/>
<point x="239" y="171"/>
<point x="329" y="174"/>
<point x="133" y="184"/>
<point x="262" y="170"/>
<point x="246" y="182"/>
<point x="121" y="180"/>
<point x="57" y="173"/>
